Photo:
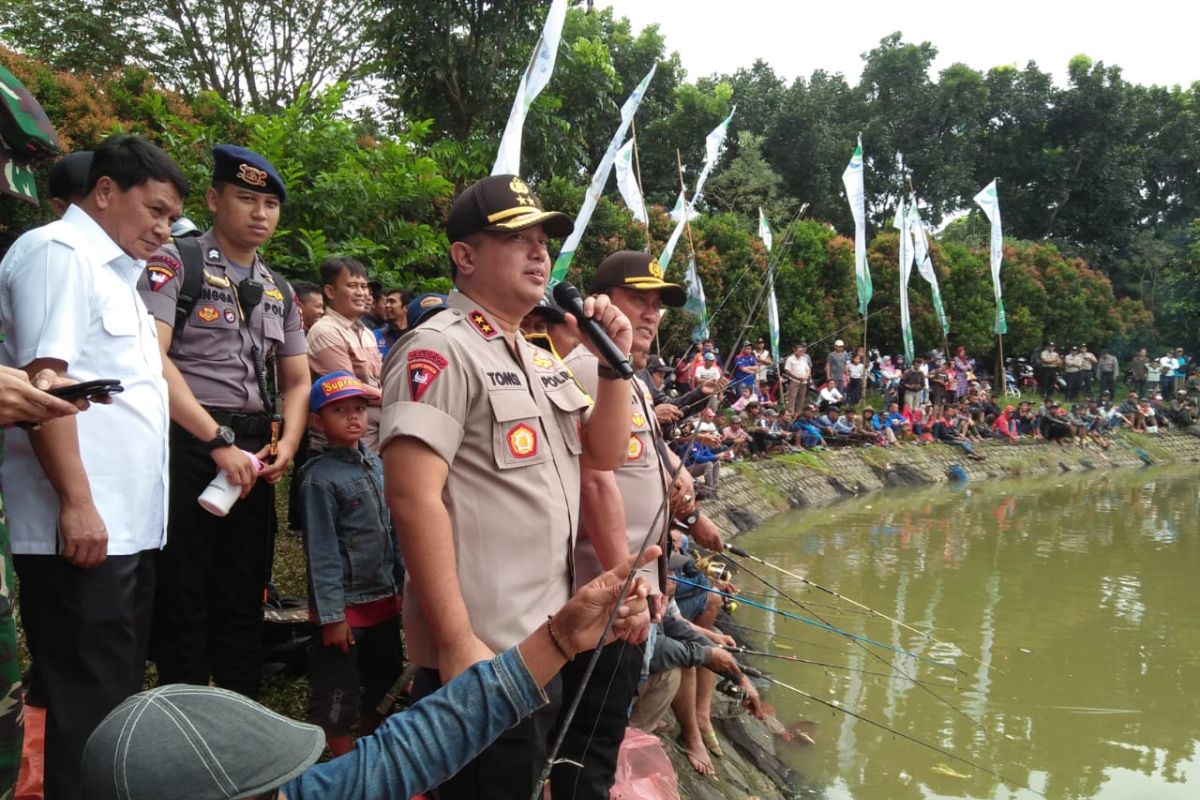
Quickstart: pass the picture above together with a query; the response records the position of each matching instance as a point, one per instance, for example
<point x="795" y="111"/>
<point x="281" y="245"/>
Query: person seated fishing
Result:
<point x="1005" y="424"/>
<point x="805" y="430"/>
<point x="897" y="423"/>
<point x="700" y="606"/>
<point x="773" y="437"/>
<point x="830" y="396"/>
<point x="195" y="741"/>
<point x="679" y="647"/>
<point x="738" y="439"/>
<point x="1053" y="425"/>
<point x="944" y="431"/>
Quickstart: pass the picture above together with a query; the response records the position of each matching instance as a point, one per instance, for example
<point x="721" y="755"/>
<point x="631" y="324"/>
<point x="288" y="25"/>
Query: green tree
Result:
<point x="259" y="54"/>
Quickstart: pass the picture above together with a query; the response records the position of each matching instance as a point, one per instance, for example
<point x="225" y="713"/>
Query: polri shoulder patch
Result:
<point x="161" y="269"/>
<point x="424" y="366"/>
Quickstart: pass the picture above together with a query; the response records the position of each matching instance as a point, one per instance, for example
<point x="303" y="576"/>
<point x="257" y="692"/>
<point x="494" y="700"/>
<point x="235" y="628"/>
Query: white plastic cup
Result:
<point x="220" y="495"/>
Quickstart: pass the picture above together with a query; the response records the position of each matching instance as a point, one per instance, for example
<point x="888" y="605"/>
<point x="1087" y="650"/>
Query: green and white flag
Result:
<point x="764" y="233"/>
<point x="712" y="151"/>
<point x="764" y="230"/>
<point x="852" y="179"/>
<point x="695" y="300"/>
<point x="535" y="78"/>
<point x="925" y="263"/>
<point x="599" y="179"/>
<point x="906" y="264"/>
<point x="627" y="184"/>
<point x="990" y="203"/>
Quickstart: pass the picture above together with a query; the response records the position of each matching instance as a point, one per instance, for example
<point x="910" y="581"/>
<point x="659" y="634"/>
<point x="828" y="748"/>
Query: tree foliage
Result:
<point x="256" y="54"/>
<point x="1099" y="179"/>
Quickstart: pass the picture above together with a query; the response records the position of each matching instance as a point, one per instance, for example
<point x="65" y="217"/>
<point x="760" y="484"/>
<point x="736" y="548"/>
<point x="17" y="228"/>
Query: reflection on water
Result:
<point x="1076" y="605"/>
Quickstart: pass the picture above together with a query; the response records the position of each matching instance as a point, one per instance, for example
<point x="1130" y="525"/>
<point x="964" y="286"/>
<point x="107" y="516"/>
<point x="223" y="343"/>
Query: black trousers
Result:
<point x="87" y="631"/>
<point x="1108" y="383"/>
<point x="1048" y="380"/>
<point x="595" y="734"/>
<point x="1074" y="384"/>
<point x="510" y="768"/>
<point x="212" y="574"/>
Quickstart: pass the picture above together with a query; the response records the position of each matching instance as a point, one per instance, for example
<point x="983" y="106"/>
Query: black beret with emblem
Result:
<point x="246" y="169"/>
<point x="502" y="203"/>
<point x="635" y="270"/>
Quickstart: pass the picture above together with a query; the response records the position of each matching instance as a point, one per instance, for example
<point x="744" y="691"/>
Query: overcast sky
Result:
<point x="1153" y="41"/>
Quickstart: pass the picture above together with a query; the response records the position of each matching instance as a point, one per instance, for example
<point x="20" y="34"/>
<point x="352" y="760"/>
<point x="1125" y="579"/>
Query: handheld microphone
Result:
<point x="568" y="298"/>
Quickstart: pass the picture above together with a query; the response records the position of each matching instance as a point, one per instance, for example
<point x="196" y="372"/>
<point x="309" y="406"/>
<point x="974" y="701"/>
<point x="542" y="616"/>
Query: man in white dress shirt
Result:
<point x="87" y="494"/>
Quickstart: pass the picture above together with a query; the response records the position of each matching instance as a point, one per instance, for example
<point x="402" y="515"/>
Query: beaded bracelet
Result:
<point x="554" y="638"/>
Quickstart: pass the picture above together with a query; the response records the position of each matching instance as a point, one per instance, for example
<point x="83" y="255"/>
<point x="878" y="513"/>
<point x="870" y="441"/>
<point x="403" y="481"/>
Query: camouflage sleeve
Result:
<point x="159" y="283"/>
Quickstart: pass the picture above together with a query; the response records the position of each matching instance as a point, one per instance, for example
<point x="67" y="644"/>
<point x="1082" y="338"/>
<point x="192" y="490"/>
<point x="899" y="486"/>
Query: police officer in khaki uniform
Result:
<point x="212" y="572"/>
<point x="482" y="441"/>
<point x="618" y="510"/>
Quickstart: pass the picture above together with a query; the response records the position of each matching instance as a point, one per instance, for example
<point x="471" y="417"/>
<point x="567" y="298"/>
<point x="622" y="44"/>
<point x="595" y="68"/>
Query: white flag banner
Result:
<point x="676" y="212"/>
<point x="599" y="179"/>
<point x="925" y="263"/>
<point x="535" y="78"/>
<point x="712" y="151"/>
<point x="695" y="300"/>
<point x="627" y="184"/>
<point x="852" y="179"/>
<point x="906" y="265"/>
<point x="764" y="230"/>
<point x="990" y="203"/>
<point x="764" y="233"/>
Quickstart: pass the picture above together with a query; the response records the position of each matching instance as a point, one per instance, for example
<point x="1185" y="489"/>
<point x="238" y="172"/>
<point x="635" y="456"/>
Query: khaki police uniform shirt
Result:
<point x="340" y="343"/>
<point x="508" y="422"/>
<point x="213" y="349"/>
<point x="642" y="479"/>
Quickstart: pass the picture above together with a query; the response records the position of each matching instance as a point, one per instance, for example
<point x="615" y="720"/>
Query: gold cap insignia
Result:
<point x="656" y="269"/>
<point x="252" y="175"/>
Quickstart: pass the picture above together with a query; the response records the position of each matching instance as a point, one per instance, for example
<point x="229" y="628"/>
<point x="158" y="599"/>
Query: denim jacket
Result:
<point x="435" y="738"/>
<point x="352" y="554"/>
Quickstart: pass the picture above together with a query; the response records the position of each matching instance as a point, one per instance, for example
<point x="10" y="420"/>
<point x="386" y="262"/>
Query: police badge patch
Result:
<point x="423" y="368"/>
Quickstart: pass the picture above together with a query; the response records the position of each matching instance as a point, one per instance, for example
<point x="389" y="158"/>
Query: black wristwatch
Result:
<point x="225" y="438"/>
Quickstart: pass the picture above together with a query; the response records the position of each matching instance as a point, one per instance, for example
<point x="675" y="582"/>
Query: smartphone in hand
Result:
<point x="88" y="390"/>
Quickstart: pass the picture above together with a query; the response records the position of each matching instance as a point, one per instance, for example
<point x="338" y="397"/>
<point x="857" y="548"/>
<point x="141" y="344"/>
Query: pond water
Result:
<point x="1068" y="615"/>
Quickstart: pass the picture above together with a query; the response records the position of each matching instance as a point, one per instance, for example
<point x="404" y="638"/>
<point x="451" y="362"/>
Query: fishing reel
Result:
<point x="731" y="687"/>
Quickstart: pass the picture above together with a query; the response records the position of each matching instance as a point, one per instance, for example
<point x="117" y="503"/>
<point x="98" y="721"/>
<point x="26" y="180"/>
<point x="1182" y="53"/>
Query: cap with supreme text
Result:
<point x="502" y="203"/>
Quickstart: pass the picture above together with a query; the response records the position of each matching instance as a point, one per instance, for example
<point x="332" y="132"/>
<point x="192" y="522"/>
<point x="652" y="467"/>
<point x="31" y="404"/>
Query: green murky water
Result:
<point x="1079" y="596"/>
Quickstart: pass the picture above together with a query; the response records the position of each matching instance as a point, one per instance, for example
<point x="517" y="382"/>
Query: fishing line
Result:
<point x="798" y="660"/>
<point x="737" y="551"/>
<point x="872" y="653"/>
<point x="837" y="707"/>
<point x="807" y="621"/>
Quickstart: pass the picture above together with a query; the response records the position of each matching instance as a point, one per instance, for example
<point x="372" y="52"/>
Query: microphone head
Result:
<point x="565" y="294"/>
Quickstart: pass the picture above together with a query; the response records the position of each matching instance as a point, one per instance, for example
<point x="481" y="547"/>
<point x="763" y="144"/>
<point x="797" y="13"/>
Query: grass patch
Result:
<point x="807" y="459"/>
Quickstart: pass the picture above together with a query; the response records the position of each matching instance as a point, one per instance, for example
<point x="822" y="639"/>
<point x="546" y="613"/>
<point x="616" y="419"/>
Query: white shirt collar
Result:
<point x="106" y="250"/>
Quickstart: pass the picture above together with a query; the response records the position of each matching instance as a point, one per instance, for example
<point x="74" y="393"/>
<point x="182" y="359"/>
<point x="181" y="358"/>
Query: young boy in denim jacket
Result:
<point x="354" y="572"/>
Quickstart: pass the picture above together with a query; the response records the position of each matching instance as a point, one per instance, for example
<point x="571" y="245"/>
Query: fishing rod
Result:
<point x="737" y="551"/>
<point x="836" y="706"/>
<point x="772" y="260"/>
<point x="829" y="607"/>
<point x="808" y="621"/>
<point x="870" y="652"/>
<point x="798" y="660"/>
<point x="725" y="623"/>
